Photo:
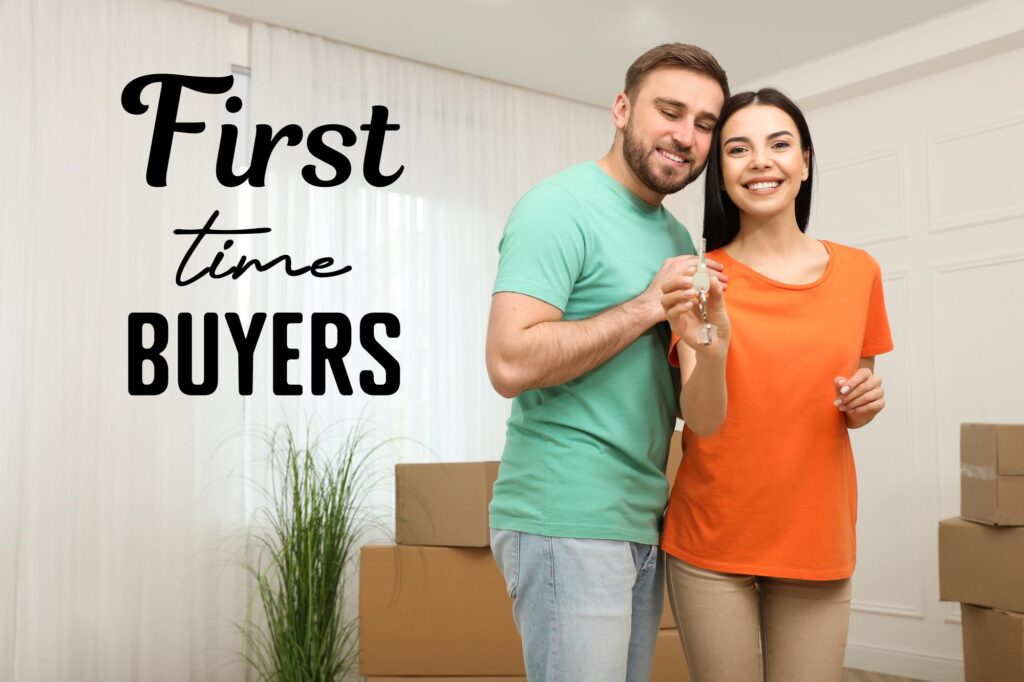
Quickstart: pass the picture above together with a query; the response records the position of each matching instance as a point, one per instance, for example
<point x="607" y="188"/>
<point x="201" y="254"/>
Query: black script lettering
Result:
<point x="138" y="354"/>
<point x="262" y="148"/>
<point x="321" y="150"/>
<point x="167" y="123"/>
<point x="377" y="126"/>
<point x="317" y="268"/>
<point x="392" y="370"/>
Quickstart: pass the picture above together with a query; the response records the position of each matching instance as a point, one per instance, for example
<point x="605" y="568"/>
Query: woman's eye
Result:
<point x="735" y="150"/>
<point x="780" y="145"/>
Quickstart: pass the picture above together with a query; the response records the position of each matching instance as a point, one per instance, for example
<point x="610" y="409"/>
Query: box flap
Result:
<point x="978" y="448"/>
<point x="990" y="449"/>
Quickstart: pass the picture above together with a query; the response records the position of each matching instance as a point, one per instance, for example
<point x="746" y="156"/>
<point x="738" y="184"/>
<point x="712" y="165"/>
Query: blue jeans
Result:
<point x="587" y="610"/>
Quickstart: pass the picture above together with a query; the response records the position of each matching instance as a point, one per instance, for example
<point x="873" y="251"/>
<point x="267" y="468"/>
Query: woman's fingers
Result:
<point x="874" y="407"/>
<point x="862" y="399"/>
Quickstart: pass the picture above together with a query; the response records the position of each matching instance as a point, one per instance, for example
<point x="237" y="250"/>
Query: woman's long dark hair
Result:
<point x="721" y="217"/>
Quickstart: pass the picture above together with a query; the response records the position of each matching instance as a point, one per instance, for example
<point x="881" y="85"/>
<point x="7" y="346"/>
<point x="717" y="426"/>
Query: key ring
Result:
<point x="706" y="337"/>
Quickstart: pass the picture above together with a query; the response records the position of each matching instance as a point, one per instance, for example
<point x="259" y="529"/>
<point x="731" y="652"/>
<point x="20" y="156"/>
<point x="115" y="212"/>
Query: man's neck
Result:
<point x="614" y="164"/>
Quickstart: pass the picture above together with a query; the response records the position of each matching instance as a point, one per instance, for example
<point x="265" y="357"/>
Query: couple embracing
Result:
<point x="597" y="331"/>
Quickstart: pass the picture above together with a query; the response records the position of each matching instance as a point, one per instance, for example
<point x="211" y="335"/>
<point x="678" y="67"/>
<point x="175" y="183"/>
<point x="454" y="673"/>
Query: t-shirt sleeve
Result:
<point x="877" y="336"/>
<point x="542" y="251"/>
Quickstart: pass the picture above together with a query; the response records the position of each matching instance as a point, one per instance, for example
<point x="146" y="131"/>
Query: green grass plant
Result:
<point x="303" y="548"/>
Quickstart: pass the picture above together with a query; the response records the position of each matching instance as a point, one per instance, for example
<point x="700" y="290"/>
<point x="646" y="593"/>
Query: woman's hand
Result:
<point x="860" y="397"/>
<point x="679" y="299"/>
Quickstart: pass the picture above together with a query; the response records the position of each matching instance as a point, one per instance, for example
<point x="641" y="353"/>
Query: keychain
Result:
<point x="702" y="284"/>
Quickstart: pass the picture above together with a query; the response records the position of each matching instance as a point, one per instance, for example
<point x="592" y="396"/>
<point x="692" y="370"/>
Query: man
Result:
<point x="575" y="336"/>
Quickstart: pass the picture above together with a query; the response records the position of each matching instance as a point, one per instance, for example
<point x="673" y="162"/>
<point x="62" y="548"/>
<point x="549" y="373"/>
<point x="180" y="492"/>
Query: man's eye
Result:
<point x="706" y="127"/>
<point x="670" y="115"/>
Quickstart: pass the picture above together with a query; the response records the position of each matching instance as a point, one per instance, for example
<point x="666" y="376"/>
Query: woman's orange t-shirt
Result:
<point x="773" y="491"/>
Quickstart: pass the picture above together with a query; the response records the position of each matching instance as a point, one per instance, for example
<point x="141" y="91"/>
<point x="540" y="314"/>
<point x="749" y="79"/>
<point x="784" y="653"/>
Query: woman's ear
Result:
<point x="807" y="164"/>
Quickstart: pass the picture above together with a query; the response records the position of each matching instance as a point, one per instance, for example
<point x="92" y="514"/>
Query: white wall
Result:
<point x="924" y="175"/>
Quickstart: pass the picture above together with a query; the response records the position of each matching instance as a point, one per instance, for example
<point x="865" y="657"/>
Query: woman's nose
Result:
<point x="759" y="158"/>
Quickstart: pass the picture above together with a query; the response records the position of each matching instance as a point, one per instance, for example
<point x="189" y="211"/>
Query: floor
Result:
<point x="850" y="675"/>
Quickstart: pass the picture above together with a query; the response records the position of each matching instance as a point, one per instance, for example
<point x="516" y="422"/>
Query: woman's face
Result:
<point x="762" y="162"/>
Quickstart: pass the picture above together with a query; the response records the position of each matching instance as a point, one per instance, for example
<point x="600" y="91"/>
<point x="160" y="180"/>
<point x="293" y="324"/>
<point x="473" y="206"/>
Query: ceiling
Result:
<point x="580" y="49"/>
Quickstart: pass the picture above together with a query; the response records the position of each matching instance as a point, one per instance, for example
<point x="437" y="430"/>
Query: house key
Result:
<point x="702" y="284"/>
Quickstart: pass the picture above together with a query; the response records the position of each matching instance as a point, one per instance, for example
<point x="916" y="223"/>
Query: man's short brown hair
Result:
<point x="674" y="54"/>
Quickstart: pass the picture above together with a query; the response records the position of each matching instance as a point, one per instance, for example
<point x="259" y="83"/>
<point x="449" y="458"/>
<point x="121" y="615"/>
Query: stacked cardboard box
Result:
<point x="434" y="607"/>
<point x="981" y="554"/>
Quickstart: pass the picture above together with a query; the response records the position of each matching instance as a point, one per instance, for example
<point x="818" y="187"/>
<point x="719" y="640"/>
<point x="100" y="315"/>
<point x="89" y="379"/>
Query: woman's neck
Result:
<point x="776" y="236"/>
<point x="776" y="248"/>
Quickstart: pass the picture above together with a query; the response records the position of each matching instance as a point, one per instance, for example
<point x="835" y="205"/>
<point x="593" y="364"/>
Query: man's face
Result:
<point x="667" y="134"/>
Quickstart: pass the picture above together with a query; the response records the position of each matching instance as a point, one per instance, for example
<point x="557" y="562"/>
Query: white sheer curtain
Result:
<point x="117" y="512"/>
<point x="423" y="248"/>
<point x="120" y="515"/>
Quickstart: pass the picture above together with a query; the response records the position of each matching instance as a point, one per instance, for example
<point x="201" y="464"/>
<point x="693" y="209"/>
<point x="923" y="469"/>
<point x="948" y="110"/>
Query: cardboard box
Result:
<point x="669" y="660"/>
<point x="992" y="473"/>
<point x="669" y="666"/>
<point x="981" y="565"/>
<point x="435" y="611"/>
<point x="444" y="504"/>
<point x="993" y="645"/>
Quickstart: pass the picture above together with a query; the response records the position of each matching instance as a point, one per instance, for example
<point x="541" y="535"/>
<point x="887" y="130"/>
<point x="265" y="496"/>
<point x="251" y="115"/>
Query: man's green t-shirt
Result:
<point x="585" y="459"/>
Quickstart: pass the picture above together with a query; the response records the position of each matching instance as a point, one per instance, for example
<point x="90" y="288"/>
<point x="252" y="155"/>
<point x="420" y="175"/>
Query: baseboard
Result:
<point x="904" y="663"/>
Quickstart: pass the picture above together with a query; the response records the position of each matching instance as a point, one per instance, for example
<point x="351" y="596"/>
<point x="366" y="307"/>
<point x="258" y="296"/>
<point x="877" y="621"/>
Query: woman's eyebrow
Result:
<point x="779" y="133"/>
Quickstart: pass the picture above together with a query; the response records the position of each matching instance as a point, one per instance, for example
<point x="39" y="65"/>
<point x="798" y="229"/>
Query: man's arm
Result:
<point x="529" y="345"/>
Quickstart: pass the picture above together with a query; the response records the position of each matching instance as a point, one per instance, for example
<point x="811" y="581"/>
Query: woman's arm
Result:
<point x="860" y="397"/>
<point x="703" y="397"/>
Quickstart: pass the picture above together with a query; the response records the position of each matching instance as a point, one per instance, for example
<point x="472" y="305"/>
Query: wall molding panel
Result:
<point x="881" y="172"/>
<point x="977" y="141"/>
<point x="903" y="662"/>
<point x="948" y="498"/>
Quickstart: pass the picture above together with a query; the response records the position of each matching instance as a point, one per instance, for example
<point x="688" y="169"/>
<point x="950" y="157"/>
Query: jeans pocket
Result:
<point x="653" y="558"/>
<point x="505" y="547"/>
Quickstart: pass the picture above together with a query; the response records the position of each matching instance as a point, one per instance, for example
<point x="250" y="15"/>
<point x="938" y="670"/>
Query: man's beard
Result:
<point x="641" y="161"/>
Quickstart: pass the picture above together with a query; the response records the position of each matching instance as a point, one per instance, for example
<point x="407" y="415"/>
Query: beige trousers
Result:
<point x="744" y="628"/>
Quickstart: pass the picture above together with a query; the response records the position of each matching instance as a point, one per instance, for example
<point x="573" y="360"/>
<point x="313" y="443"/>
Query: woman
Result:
<point x="760" y="525"/>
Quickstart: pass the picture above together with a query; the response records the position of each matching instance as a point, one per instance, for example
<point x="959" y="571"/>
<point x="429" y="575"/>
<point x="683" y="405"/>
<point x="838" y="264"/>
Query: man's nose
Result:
<point x="683" y="133"/>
